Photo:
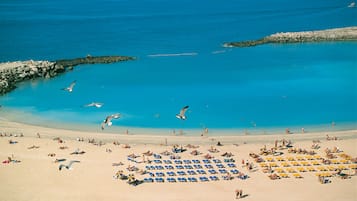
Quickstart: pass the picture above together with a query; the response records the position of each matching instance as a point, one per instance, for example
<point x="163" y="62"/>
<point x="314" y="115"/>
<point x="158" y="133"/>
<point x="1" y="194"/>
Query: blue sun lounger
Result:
<point x="223" y="171"/>
<point x="203" y="179"/>
<point x="182" y="179"/>
<point x="220" y="165"/>
<point x="148" y="180"/>
<point x="159" y="180"/>
<point x="201" y="171"/>
<point x="171" y="174"/>
<point x="192" y="179"/>
<point x="209" y="166"/>
<point x="171" y="180"/>
<point x="214" y="178"/>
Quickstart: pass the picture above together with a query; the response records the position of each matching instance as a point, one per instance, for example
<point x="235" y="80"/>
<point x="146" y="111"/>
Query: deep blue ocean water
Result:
<point x="295" y="85"/>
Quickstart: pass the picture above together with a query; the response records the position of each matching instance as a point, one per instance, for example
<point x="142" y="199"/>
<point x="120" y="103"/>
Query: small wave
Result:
<point x="219" y="52"/>
<point x="174" y="55"/>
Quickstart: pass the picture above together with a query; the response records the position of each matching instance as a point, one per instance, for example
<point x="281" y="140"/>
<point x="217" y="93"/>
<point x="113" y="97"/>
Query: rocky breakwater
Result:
<point x="12" y="73"/>
<point x="328" y="35"/>
<point x="18" y="71"/>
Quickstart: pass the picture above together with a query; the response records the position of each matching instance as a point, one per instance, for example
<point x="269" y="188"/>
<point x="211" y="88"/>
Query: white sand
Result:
<point x="37" y="177"/>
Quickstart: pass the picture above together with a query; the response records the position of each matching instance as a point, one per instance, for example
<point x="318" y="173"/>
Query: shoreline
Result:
<point x="145" y="136"/>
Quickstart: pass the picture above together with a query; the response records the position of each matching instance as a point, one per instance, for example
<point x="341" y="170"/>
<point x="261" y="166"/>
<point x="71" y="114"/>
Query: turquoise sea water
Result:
<point x="181" y="62"/>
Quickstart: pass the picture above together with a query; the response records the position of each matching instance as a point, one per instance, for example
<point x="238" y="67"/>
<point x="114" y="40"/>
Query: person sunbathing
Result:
<point x="126" y="146"/>
<point x="226" y="154"/>
<point x="51" y="154"/>
<point x="207" y="156"/>
<point x="213" y="150"/>
<point x="195" y="152"/>
<point x="148" y="153"/>
<point x="77" y="151"/>
<point x="132" y="156"/>
<point x="274" y="176"/>
<point x="33" y="147"/>
<point x="117" y="164"/>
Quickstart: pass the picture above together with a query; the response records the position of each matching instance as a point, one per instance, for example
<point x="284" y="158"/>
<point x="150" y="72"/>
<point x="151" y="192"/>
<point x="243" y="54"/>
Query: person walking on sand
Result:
<point x="239" y="193"/>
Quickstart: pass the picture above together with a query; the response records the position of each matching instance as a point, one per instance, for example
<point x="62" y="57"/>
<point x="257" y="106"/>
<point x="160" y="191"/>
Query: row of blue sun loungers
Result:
<point x="192" y="172"/>
<point x="180" y="167"/>
<point x="182" y="179"/>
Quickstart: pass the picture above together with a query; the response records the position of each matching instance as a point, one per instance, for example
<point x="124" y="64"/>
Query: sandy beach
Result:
<point x="33" y="174"/>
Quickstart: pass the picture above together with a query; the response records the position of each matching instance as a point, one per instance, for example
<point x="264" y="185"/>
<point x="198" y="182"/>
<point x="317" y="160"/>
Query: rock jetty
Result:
<point x="328" y="35"/>
<point x="12" y="73"/>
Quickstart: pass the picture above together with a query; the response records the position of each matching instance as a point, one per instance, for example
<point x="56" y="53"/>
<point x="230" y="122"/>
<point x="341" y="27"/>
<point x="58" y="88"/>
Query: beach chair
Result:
<point x="214" y="178"/>
<point x="212" y="171"/>
<point x="290" y="158"/>
<point x="181" y="173"/>
<point x="188" y="167"/>
<point x="201" y="171"/>
<point x="171" y="174"/>
<point x="315" y="163"/>
<point x="182" y="179"/>
<point x="203" y="179"/>
<point x="300" y="158"/>
<point x="167" y="161"/>
<point x="290" y="170"/>
<point x="178" y="161"/>
<point x="305" y="163"/>
<point x="311" y="169"/>
<point x="229" y="160"/>
<point x="352" y="166"/>
<point x="148" y="180"/>
<point x="220" y="165"/>
<point x="285" y="164"/>
<point x="206" y="161"/>
<point x="280" y="158"/>
<point x="342" y="167"/>
<point x="161" y="174"/>
<point x="159" y="180"/>
<point x="192" y="179"/>
<point x="231" y="165"/>
<point x="159" y="167"/>
<point x="263" y="165"/>
<point x="344" y="161"/>
<point x="191" y="172"/>
<point x="217" y="161"/>
<point x="297" y="175"/>
<point x="198" y="166"/>
<point x="209" y="166"/>
<point x="222" y="171"/>
<point x="169" y="167"/>
<point x="279" y="170"/>
<point x="196" y="161"/>
<point x="283" y="175"/>
<point x="301" y="169"/>
<point x="187" y="161"/>
<point x="171" y="180"/>
<point x="331" y="168"/>
<point x="157" y="156"/>
<point x="179" y="167"/>
<point x="157" y="161"/>
<point x="269" y="159"/>
<point x="234" y="171"/>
